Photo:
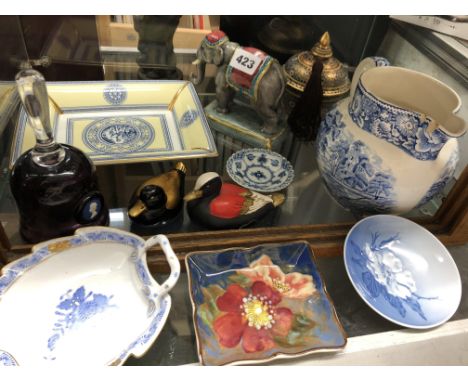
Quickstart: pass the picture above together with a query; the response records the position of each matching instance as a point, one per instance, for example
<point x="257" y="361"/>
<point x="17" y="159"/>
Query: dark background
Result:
<point x="75" y="46"/>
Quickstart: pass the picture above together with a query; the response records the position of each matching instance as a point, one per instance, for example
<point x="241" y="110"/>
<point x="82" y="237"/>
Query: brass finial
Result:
<point x="181" y="167"/>
<point x="323" y="49"/>
<point x="325" y="40"/>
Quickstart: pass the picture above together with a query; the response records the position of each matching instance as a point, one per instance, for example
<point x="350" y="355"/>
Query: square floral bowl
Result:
<point x="254" y="305"/>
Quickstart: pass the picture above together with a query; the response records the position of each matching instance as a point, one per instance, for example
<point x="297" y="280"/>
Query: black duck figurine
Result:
<point x="219" y="205"/>
<point x="159" y="200"/>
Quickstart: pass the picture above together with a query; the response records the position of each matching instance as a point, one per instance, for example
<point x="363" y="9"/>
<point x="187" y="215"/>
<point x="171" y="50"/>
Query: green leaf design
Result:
<point x="302" y="323"/>
<point x="301" y="331"/>
<point x="206" y="314"/>
<point x="239" y="279"/>
<point x="294" y="338"/>
<point x="208" y="311"/>
<point x="211" y="294"/>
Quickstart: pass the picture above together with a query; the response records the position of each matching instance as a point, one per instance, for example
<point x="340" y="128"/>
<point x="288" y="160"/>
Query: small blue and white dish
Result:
<point x="402" y="271"/>
<point x="260" y="170"/>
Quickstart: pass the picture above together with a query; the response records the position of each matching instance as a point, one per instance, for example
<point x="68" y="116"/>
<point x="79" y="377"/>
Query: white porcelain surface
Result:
<point x="85" y="299"/>
<point x="402" y="271"/>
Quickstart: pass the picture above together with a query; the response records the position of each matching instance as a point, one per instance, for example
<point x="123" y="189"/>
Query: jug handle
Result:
<point x="364" y="65"/>
<point x="171" y="258"/>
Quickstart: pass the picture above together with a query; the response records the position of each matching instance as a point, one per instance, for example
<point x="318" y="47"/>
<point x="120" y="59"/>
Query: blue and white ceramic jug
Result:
<point x="391" y="145"/>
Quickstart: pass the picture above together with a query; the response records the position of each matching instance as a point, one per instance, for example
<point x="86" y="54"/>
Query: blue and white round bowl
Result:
<point x="402" y="271"/>
<point x="260" y="170"/>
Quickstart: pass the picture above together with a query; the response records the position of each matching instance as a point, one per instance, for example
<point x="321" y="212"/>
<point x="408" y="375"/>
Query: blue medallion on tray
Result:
<point x="188" y="118"/>
<point x="115" y="94"/>
<point x="353" y="173"/>
<point x="260" y="170"/>
<point x="119" y="135"/>
<point x="404" y="129"/>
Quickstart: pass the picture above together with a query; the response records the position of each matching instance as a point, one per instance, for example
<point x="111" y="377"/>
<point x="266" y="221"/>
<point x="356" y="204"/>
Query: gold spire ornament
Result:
<point x="323" y="48"/>
<point x="335" y="80"/>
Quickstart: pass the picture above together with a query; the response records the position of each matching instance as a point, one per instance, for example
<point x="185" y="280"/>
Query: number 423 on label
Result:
<point x="245" y="61"/>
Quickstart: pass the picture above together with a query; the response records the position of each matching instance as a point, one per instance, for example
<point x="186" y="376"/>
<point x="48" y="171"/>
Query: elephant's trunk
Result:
<point x="200" y="75"/>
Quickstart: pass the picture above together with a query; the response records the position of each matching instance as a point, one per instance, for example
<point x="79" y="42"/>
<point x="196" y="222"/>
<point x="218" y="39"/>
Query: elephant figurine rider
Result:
<point x="246" y="70"/>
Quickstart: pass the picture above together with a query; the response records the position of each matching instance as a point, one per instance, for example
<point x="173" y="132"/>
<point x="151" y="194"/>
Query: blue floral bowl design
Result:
<point x="87" y="299"/>
<point x="260" y="170"/>
<point x="402" y="271"/>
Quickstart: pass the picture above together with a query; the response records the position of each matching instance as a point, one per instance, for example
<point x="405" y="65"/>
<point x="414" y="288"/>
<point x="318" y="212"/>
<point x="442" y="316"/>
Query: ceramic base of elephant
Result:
<point x="243" y="125"/>
<point x="368" y="175"/>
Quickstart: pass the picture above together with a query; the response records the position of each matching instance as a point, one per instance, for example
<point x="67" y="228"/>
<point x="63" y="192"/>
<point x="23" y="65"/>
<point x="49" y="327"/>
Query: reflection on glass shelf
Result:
<point x="307" y="199"/>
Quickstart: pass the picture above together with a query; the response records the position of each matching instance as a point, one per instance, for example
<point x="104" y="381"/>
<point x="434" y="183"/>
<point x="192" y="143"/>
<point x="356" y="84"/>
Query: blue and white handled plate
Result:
<point x="402" y="271"/>
<point x="85" y="299"/>
<point x="260" y="170"/>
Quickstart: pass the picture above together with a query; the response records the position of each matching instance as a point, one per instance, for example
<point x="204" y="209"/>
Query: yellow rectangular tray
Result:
<point x="124" y="121"/>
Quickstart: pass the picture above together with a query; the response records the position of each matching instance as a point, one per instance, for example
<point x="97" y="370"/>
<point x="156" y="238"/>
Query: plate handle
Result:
<point x="171" y="258"/>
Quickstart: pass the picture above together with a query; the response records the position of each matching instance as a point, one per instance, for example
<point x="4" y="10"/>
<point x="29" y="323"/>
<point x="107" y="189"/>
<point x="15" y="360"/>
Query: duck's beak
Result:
<point x="137" y="209"/>
<point x="193" y="195"/>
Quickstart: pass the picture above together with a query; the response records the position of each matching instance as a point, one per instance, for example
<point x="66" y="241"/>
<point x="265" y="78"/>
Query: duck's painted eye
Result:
<point x="153" y="196"/>
<point x="213" y="186"/>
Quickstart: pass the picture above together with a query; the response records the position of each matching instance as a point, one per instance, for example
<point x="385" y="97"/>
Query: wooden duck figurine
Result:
<point x="219" y="205"/>
<point x="160" y="199"/>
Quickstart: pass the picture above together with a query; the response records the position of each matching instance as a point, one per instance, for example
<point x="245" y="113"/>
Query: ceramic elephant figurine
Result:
<point x="246" y="70"/>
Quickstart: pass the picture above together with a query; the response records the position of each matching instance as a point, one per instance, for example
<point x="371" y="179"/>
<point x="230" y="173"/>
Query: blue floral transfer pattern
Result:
<point x="118" y="135"/>
<point x="74" y="309"/>
<point x="383" y="274"/>
<point x="260" y="170"/>
<point x="156" y="326"/>
<point x="444" y="178"/>
<point x="6" y="359"/>
<point x="405" y="129"/>
<point x="380" y="61"/>
<point x="353" y="173"/>
<point x="15" y="269"/>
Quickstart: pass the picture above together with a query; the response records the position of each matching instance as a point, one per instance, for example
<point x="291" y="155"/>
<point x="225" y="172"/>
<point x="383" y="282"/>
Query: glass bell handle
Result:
<point x="33" y="93"/>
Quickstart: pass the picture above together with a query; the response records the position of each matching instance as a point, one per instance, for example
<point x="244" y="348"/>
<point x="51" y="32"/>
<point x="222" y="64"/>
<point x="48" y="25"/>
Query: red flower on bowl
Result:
<point x="251" y="318"/>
